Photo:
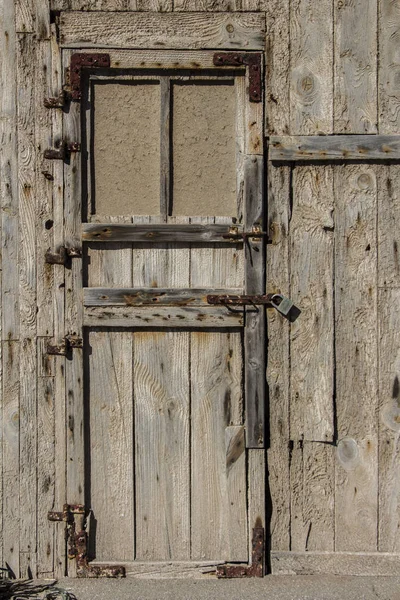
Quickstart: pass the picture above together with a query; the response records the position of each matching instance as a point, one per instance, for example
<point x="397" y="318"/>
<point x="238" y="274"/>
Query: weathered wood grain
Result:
<point x="256" y="499"/>
<point x="334" y="147"/>
<point x="150" y="296"/>
<point x="170" y="569"/>
<point x="188" y="317"/>
<point x="220" y="5"/>
<point x="311" y="250"/>
<point x="255" y="319"/>
<point x="27" y="294"/>
<point x="389" y="66"/>
<point x="335" y="563"/>
<point x="161" y="392"/>
<point x="389" y="421"/>
<point x="9" y="174"/>
<point x="111" y="443"/>
<point x="44" y="192"/>
<point x="10" y="450"/>
<point x="356" y="358"/>
<point x="277" y="67"/>
<point x="388" y="229"/>
<point x="45" y="462"/>
<point x="218" y="505"/>
<point x="155" y="232"/>
<point x="311" y="64"/>
<point x="147" y="30"/>
<point x="355" y="60"/>
<point x="113" y="5"/>
<point x="278" y="361"/>
<point x="165" y="148"/>
<point x="312" y="497"/>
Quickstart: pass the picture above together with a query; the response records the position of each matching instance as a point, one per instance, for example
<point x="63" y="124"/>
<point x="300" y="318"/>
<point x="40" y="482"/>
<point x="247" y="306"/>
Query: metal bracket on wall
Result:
<point x="66" y="346"/>
<point x="256" y="568"/>
<point x="81" y="61"/>
<point x="74" y="516"/>
<point x="63" y="151"/>
<point x="56" y="101"/>
<point x="252" y="60"/>
<point x="63" y="255"/>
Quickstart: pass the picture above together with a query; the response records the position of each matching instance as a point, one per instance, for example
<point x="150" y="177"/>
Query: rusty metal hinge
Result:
<point x="80" y="61"/>
<point x="256" y="568"/>
<point x="63" y="255"/>
<point x="281" y="303"/>
<point x="56" y="101"/>
<point x="234" y="234"/>
<point x="252" y="60"/>
<point x="74" y="516"/>
<point x="62" y="152"/>
<point x="66" y="346"/>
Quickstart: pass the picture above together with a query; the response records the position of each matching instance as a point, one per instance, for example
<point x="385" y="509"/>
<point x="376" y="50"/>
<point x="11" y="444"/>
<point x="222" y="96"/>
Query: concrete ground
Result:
<point x="272" y="587"/>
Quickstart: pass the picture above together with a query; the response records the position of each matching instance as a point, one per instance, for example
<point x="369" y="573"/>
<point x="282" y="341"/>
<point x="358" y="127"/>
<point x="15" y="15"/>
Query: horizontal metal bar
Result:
<point x="334" y="147"/>
<point x="150" y="296"/>
<point x="110" y="232"/>
<point x="190" y="317"/>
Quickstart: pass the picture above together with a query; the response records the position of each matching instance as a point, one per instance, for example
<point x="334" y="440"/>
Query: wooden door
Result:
<point x="165" y="399"/>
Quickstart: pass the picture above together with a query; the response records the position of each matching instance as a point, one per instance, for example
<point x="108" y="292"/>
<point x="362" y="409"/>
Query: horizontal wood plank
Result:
<point x="335" y="563"/>
<point x="149" y="30"/>
<point x="334" y="147"/>
<point x="162" y="316"/>
<point x="169" y="569"/>
<point x="109" y="232"/>
<point x="150" y="296"/>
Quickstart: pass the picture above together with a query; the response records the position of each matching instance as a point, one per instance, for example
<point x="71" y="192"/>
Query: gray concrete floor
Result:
<point x="272" y="587"/>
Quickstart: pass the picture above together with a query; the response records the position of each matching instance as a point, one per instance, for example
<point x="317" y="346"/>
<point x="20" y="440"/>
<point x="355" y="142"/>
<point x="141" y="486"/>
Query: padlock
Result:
<point x="285" y="306"/>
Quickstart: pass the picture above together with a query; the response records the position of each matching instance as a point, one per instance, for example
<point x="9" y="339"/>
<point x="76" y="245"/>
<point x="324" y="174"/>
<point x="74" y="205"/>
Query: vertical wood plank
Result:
<point x="311" y="240"/>
<point x="355" y="62"/>
<point x="257" y="481"/>
<point x="389" y="421"/>
<point x="10" y="446"/>
<point x="277" y="67"/>
<point x="9" y="174"/>
<point x="111" y="443"/>
<point x="311" y="61"/>
<point x="27" y="293"/>
<point x="278" y="363"/>
<point x="255" y="318"/>
<point x="312" y="497"/>
<point x="219" y="527"/>
<point x="356" y="353"/>
<point x="388" y="226"/>
<point x="389" y="67"/>
<point x="44" y="191"/>
<point x="46" y="464"/>
<point x="161" y="391"/>
<point x="60" y="494"/>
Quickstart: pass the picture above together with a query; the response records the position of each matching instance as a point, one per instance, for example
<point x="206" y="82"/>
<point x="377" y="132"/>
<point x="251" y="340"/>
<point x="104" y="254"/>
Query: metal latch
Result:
<point x="75" y="517"/>
<point x="235" y="234"/>
<point x="62" y="152"/>
<point x="281" y="303"/>
<point x="62" y="256"/>
<point x="66" y="346"/>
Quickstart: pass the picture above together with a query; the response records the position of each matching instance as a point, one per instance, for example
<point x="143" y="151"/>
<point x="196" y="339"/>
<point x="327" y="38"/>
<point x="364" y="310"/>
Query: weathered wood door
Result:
<point x="165" y="399"/>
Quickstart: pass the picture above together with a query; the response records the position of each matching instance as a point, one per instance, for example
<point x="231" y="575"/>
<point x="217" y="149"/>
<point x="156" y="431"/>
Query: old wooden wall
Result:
<point x="334" y="390"/>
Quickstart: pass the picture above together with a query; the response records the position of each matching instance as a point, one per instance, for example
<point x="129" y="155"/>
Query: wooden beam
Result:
<point x="154" y="233"/>
<point x="334" y="147"/>
<point x="150" y="296"/>
<point x="149" y="30"/>
<point x="162" y="316"/>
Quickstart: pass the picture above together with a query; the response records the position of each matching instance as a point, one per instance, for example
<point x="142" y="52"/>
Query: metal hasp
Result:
<point x="66" y="346"/>
<point x="235" y="234"/>
<point x="252" y="60"/>
<point x="74" y="516"/>
<point x="62" y="152"/>
<point x="283" y="305"/>
<point x="84" y="61"/>
<point x="256" y="568"/>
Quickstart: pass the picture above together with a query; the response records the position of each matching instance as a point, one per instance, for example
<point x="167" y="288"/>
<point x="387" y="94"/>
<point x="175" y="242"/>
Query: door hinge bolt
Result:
<point x="62" y="256"/>
<point x="66" y="345"/>
<point x="62" y="152"/>
<point x="56" y="101"/>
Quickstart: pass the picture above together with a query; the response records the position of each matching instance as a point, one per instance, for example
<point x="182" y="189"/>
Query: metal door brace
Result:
<point x="256" y="568"/>
<point x="74" y="516"/>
